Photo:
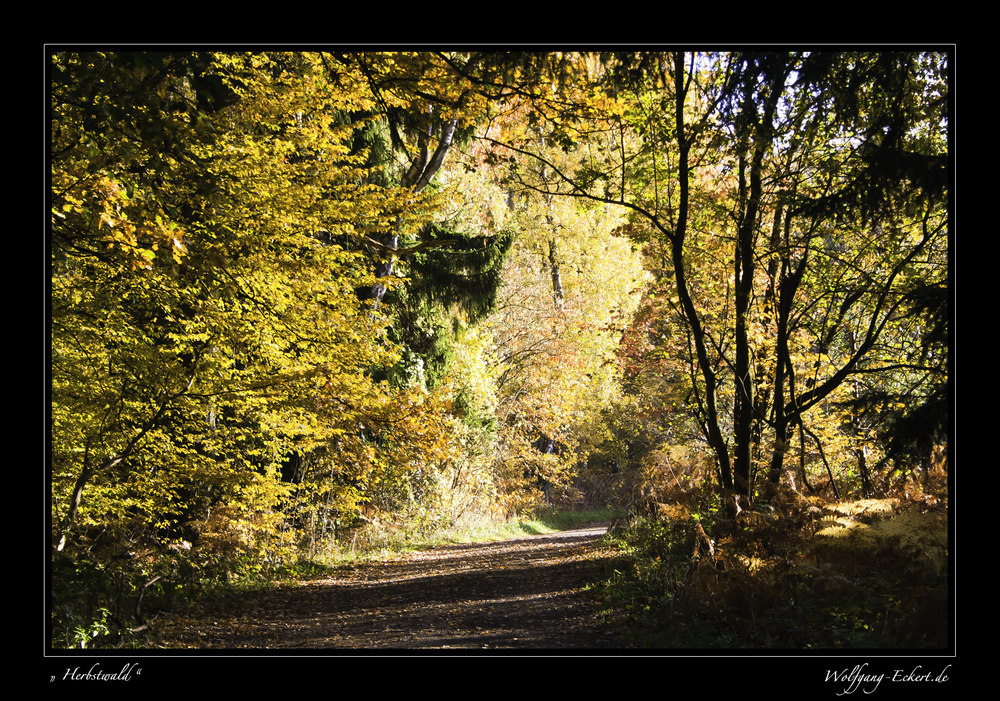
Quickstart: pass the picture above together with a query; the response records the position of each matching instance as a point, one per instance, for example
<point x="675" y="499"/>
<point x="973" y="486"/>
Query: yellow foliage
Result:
<point x="752" y="563"/>
<point x="205" y="320"/>
<point x="873" y="528"/>
<point x="843" y="528"/>
<point x="865" y="508"/>
<point x="924" y="534"/>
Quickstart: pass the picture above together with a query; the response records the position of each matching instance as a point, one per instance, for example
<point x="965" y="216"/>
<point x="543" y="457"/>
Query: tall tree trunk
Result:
<point x="744" y="269"/>
<point x="760" y="135"/>
<point x="710" y="425"/>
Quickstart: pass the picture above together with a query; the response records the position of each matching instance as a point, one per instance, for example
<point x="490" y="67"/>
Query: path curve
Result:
<point x="523" y="593"/>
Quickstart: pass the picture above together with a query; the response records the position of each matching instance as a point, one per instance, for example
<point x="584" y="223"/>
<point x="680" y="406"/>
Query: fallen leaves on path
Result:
<point x="522" y="593"/>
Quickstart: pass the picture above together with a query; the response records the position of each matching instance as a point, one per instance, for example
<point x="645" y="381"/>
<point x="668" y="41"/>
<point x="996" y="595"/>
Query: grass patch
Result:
<point x="484" y="531"/>
<point x="383" y="542"/>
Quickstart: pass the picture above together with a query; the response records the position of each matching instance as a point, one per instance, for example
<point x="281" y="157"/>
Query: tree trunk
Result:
<point x="760" y="134"/>
<point x="710" y="425"/>
<point x="744" y="269"/>
<point x="383" y="271"/>
<point x="783" y="420"/>
<point x="557" y="288"/>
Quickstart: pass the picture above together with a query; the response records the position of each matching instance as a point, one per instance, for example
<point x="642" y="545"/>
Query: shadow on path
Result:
<point x="523" y="593"/>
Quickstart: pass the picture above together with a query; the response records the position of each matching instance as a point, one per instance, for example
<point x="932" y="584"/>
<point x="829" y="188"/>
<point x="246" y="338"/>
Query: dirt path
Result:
<point x="522" y="593"/>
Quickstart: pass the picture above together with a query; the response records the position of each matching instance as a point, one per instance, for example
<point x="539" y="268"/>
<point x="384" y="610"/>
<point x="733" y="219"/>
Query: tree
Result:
<point x="871" y="227"/>
<point x="789" y="160"/>
<point x="205" y="324"/>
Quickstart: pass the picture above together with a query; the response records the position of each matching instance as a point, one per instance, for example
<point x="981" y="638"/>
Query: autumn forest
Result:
<point x="303" y="304"/>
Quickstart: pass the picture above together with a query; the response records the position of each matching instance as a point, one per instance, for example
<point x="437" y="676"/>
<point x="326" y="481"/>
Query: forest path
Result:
<point x="526" y="592"/>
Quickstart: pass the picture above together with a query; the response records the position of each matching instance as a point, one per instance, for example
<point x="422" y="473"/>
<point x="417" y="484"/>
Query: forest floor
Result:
<point x="528" y="593"/>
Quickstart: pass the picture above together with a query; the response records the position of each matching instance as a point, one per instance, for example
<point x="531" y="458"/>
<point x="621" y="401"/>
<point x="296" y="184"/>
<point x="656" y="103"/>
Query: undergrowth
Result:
<point x="792" y="572"/>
